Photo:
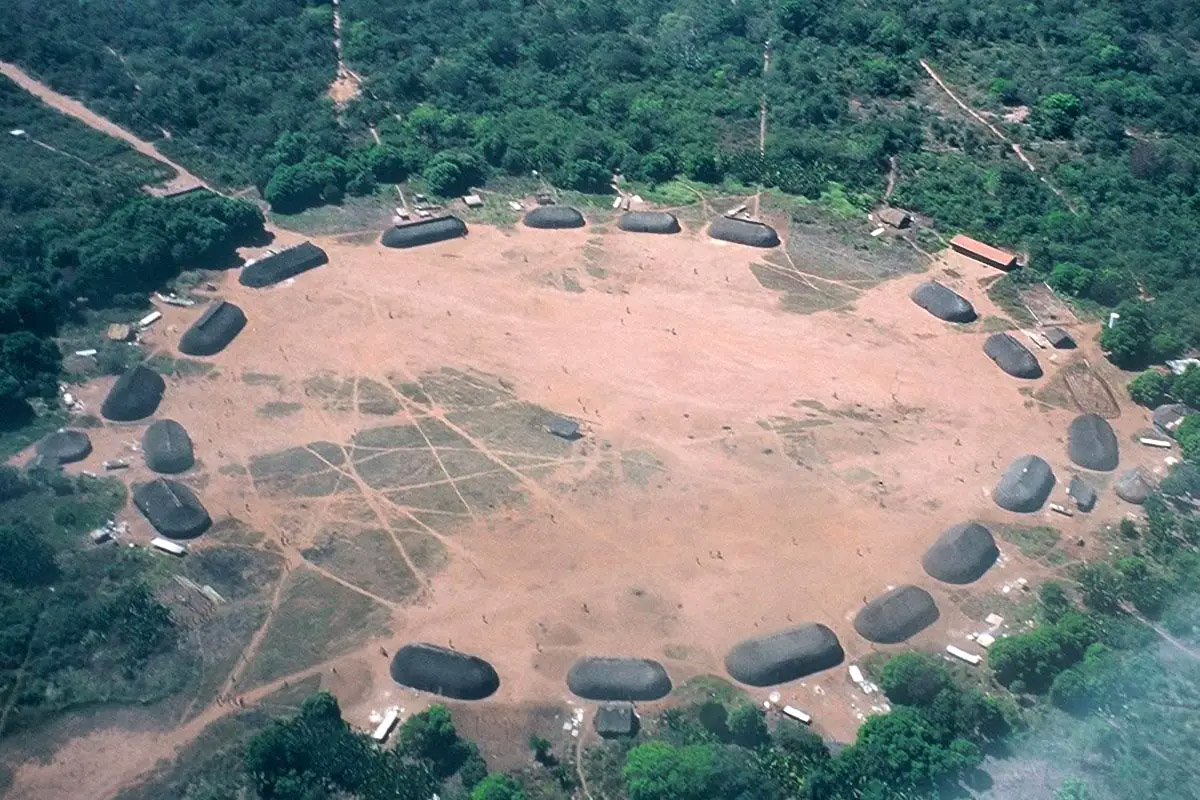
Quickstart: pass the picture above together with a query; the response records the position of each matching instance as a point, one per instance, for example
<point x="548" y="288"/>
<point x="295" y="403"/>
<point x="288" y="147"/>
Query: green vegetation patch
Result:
<point x="316" y="620"/>
<point x="367" y="558"/>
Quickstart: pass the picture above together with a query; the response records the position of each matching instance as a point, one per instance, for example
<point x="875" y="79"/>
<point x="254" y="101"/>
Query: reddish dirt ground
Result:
<point x="675" y="351"/>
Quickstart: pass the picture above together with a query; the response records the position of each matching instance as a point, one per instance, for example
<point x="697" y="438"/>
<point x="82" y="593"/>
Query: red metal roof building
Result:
<point x="972" y="248"/>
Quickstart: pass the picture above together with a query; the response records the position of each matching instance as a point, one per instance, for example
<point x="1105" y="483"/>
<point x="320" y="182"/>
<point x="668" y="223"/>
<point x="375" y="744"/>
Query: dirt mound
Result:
<point x="1092" y="444"/>
<point x="943" y="303"/>
<point x="896" y="615"/>
<point x="283" y="265"/>
<point x="554" y="217"/>
<point x="743" y="231"/>
<point x="1025" y="485"/>
<point x="134" y="396"/>
<point x="962" y="554"/>
<point x="628" y="679"/>
<point x="64" y="447"/>
<point x="213" y="332"/>
<point x="784" y="656"/>
<point x="172" y="508"/>
<point x="648" y="222"/>
<point x="1012" y="356"/>
<point x="167" y="447"/>
<point x="424" y="232"/>
<point x="1135" y="485"/>
<point x="435" y="669"/>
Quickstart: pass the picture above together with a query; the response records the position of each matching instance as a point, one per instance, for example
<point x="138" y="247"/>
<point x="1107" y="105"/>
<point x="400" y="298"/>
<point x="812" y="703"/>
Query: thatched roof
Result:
<point x="427" y="231"/>
<point x="784" y="656"/>
<point x="1012" y="356"/>
<point x="648" y="222"/>
<point x="942" y="302"/>
<point x="283" y="265"/>
<point x="167" y="447"/>
<point x="743" y="231"/>
<point x="1092" y="444"/>
<point x="449" y="673"/>
<point x="627" y="679"/>
<point x="1025" y="485"/>
<point x="897" y="615"/>
<point x="962" y="554"/>
<point x="213" y="332"/>
<point x="554" y="217"/>
<point x="134" y="396"/>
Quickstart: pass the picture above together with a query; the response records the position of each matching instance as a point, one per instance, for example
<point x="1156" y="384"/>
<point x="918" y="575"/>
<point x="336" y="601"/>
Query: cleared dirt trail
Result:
<point x="76" y="109"/>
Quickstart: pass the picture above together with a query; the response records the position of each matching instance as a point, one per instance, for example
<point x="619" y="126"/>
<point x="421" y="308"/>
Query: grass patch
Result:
<point x="1037" y="542"/>
<point x="317" y="619"/>
<point x="367" y="558"/>
<point x="277" y="409"/>
<point x="171" y="367"/>
<point x="1006" y="294"/>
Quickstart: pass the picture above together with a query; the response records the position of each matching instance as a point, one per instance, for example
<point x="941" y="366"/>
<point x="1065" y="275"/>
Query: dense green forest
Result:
<point x="77" y="235"/>
<point x="578" y="89"/>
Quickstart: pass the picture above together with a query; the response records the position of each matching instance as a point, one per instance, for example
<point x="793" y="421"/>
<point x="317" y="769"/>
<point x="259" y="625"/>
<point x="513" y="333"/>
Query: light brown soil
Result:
<point x="795" y="465"/>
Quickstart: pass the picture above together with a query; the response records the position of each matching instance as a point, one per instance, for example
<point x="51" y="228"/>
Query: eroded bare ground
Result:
<point x="377" y="432"/>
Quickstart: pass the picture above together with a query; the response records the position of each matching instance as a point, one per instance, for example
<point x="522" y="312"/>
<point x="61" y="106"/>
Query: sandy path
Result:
<point x="79" y="111"/>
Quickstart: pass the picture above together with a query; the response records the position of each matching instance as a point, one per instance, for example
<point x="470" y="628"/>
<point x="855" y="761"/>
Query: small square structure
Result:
<point x="896" y="217"/>
<point x="473" y="201"/>
<point x="1058" y="338"/>
<point x="616" y="719"/>
<point x="117" y="332"/>
<point x="563" y="428"/>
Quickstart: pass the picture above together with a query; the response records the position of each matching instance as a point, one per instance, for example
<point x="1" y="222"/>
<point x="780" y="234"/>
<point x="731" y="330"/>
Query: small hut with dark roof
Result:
<point x="616" y="719"/>
<point x="64" y="447"/>
<point x="167" y="447"/>
<point x="172" y="508"/>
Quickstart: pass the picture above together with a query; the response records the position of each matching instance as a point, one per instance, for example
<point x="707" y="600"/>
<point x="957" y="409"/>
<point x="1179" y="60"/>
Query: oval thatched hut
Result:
<point x="1025" y="485"/>
<point x="282" y="265"/>
<point x="167" y="447"/>
<point x="134" y="396"/>
<point x="64" y="447"/>
<point x="213" y="332"/>
<point x="1092" y="444"/>
<point x="743" y="231"/>
<point x="784" y="656"/>
<point x="426" y="231"/>
<point x="648" y="222"/>
<point x="628" y="679"/>
<point x="942" y="302"/>
<point x="962" y="554"/>
<point x="896" y="615"/>
<point x="1012" y="356"/>
<point x="449" y="673"/>
<point x="1135" y="485"/>
<point x="551" y="217"/>
<point x="172" y="508"/>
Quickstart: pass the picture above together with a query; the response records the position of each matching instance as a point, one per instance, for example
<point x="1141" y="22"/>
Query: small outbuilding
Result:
<point x="743" y="231"/>
<point x="554" y="217"/>
<point x="615" y="720"/>
<point x="213" y="332"/>
<point x="1135" y="485"/>
<point x="426" y="231"/>
<point x="1058" y="338"/>
<point x="1167" y="418"/>
<point x="563" y="428"/>
<point x="896" y="217"/>
<point x="282" y="265"/>
<point x="1082" y="493"/>
<point x="977" y="250"/>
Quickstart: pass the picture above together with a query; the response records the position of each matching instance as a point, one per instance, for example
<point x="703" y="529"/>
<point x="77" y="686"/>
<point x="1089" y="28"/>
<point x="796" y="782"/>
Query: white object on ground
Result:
<point x="149" y="319"/>
<point x="970" y="658"/>
<point x="994" y="620"/>
<point x="797" y="714"/>
<point x="1163" y="443"/>
<point x="856" y="674"/>
<point x="985" y="640"/>
<point x="167" y="546"/>
<point x="385" y="726"/>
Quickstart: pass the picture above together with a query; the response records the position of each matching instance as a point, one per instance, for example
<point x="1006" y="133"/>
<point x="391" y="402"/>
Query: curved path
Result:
<point x="73" y="108"/>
